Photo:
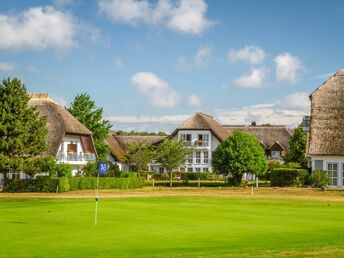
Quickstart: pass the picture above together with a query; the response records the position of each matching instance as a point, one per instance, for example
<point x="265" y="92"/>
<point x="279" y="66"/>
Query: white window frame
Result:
<point x="198" y="157"/>
<point x="205" y="159"/>
<point x="332" y="179"/>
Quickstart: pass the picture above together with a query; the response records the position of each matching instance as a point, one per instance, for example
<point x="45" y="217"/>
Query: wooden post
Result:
<point x="153" y="182"/>
<point x="252" y="190"/>
<point x="257" y="182"/>
<point x="199" y="182"/>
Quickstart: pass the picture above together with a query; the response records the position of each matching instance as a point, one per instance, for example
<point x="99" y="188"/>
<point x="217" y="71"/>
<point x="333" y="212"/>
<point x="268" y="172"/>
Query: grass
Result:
<point x="172" y="226"/>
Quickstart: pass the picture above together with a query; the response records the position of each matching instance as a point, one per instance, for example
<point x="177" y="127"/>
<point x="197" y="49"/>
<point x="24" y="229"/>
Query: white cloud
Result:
<point x="323" y="76"/>
<point x="7" y="67"/>
<point x="286" y="111"/>
<point x="145" y="119"/>
<point x="155" y="89"/>
<point x="119" y="63"/>
<point x="187" y="16"/>
<point x="200" y="59"/>
<point x="288" y="68"/>
<point x="251" y="54"/>
<point x="194" y="100"/>
<point x="202" y="56"/>
<point x="253" y="79"/>
<point x="37" y="28"/>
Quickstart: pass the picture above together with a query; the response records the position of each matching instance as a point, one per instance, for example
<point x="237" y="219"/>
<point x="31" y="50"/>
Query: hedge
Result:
<point x="81" y="183"/>
<point x="188" y="183"/>
<point x="47" y="184"/>
<point x="288" y="177"/>
<point x="187" y="176"/>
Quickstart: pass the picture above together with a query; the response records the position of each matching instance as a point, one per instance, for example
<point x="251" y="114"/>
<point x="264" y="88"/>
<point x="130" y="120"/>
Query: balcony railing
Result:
<point x="75" y="157"/>
<point x="196" y="143"/>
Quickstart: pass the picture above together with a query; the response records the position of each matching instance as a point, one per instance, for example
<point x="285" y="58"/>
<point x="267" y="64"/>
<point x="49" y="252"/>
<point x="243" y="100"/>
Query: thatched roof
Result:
<point x="124" y="140"/>
<point x="60" y="121"/>
<point x="267" y="135"/>
<point x="327" y="117"/>
<point x="202" y="121"/>
<point x="116" y="149"/>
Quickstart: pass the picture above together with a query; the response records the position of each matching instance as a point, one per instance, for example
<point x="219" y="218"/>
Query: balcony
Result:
<point x="202" y="143"/>
<point x="75" y="157"/>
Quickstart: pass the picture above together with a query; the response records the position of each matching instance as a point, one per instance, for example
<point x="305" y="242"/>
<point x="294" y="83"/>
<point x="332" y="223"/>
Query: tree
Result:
<point x="22" y="129"/>
<point x="297" y="148"/>
<point x="240" y="153"/>
<point x="171" y="154"/>
<point x="139" y="154"/>
<point x="86" y="111"/>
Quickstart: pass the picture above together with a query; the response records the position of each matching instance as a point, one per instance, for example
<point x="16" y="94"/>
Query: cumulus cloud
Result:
<point x="194" y="100"/>
<point x="253" y="79"/>
<point x="251" y="54"/>
<point x="200" y="59"/>
<point x="155" y="89"/>
<point x="202" y="56"/>
<point x="288" y="68"/>
<point x="37" y="28"/>
<point x="288" y="110"/>
<point x="186" y="16"/>
<point x="7" y="67"/>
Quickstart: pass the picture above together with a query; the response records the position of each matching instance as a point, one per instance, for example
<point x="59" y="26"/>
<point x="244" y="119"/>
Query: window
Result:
<point x="318" y="164"/>
<point x="161" y="170"/>
<point x="275" y="154"/>
<point x="198" y="169"/>
<point x="186" y="139"/>
<point x="198" y="157"/>
<point x="205" y="157"/>
<point x="203" y="140"/>
<point x="190" y="170"/>
<point x="205" y="169"/>
<point x="189" y="158"/>
<point x="71" y="148"/>
<point x="332" y="169"/>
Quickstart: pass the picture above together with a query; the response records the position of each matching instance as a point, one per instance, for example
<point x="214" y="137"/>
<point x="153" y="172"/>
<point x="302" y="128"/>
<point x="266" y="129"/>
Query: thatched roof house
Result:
<point x="267" y="135"/>
<point x="125" y="140"/>
<point x="202" y="121"/>
<point x="116" y="150"/>
<point x="327" y="117"/>
<point x="60" y="123"/>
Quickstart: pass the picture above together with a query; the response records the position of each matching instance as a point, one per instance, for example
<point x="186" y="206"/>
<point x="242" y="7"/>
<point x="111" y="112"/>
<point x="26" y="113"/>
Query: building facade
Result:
<point x="326" y="137"/>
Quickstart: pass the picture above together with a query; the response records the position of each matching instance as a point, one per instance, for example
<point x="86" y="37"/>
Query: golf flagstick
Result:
<point x="97" y="198"/>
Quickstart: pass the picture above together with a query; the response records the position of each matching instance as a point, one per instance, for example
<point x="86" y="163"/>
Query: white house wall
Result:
<point x="330" y="159"/>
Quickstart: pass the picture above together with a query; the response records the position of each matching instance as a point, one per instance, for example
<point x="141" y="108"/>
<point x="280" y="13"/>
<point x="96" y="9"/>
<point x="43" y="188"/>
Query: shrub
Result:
<point x="63" y="170"/>
<point x="319" y="178"/>
<point x="47" y="184"/>
<point x="91" y="170"/>
<point x="40" y="184"/>
<point x="288" y="177"/>
<point x="82" y="183"/>
<point x="195" y="176"/>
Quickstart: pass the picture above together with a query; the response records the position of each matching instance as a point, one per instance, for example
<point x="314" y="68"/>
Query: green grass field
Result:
<point x="181" y="226"/>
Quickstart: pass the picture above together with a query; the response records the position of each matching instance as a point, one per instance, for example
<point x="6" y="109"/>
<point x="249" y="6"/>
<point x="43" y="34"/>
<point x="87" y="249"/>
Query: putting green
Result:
<point x="171" y="226"/>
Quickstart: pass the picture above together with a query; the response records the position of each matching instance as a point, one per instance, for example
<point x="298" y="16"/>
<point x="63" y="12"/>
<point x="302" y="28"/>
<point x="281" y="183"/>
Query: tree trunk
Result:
<point x="170" y="178"/>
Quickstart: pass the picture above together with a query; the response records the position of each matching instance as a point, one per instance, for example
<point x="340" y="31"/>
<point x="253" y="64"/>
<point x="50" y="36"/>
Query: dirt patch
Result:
<point x="267" y="192"/>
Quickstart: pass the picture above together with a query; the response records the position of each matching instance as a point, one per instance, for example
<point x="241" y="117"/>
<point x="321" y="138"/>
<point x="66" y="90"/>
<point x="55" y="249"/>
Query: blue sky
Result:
<point x="151" y="64"/>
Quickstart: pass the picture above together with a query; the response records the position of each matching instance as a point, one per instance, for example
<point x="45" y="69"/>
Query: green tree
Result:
<point x="240" y="153"/>
<point x="297" y="148"/>
<point x="86" y="111"/>
<point x="171" y="154"/>
<point x="22" y="129"/>
<point x="139" y="154"/>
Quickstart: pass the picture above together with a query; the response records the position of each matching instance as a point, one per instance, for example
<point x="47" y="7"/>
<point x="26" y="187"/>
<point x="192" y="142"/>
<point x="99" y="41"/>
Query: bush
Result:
<point x="82" y="183"/>
<point x="195" y="176"/>
<point x="288" y="177"/>
<point x="47" y="184"/>
<point x="163" y="176"/>
<point x="40" y="184"/>
<point x="63" y="170"/>
<point x="319" y="178"/>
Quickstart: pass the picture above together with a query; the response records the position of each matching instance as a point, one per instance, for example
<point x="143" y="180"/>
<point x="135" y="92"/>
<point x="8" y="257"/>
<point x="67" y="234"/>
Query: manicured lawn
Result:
<point x="172" y="226"/>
